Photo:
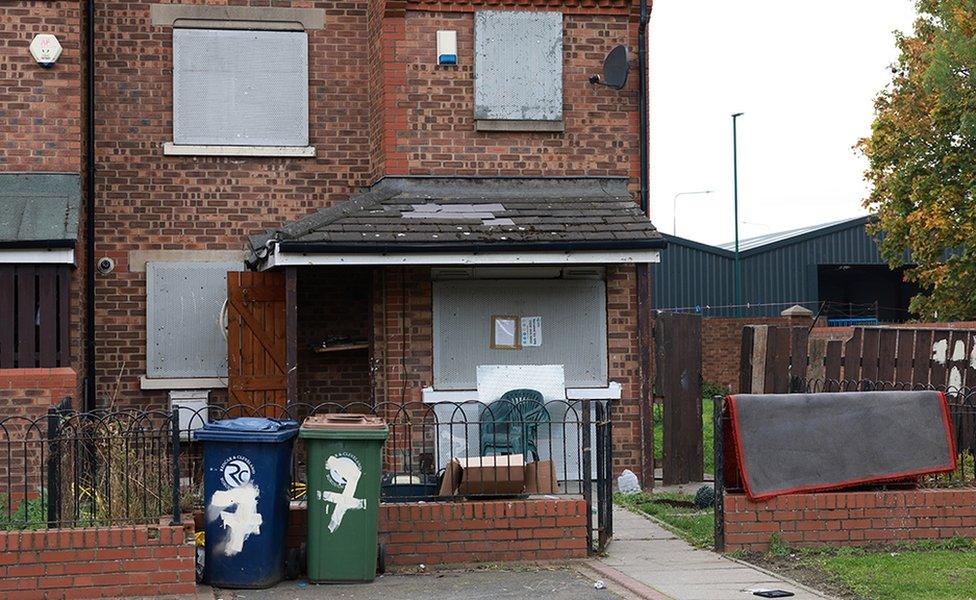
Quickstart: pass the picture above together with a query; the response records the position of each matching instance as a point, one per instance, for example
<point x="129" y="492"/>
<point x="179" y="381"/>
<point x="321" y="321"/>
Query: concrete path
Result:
<point x="646" y="554"/>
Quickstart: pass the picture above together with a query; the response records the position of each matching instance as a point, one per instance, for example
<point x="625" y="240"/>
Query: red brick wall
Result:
<point x="40" y="109"/>
<point x="431" y="107"/>
<point x="124" y="562"/>
<point x="849" y="518"/>
<point x="28" y="393"/>
<point x="623" y="363"/>
<point x="147" y="201"/>
<point x="438" y="533"/>
<point x="398" y="114"/>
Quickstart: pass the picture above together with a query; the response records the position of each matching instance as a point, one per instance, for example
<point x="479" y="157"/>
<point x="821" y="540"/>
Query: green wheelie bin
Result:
<point x="344" y="465"/>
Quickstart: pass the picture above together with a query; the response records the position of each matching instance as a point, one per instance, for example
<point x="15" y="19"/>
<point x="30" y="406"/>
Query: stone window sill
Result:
<point x="171" y="149"/>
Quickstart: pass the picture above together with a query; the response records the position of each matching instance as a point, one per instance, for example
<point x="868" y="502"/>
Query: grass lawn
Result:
<point x="708" y="434"/>
<point x="678" y="511"/>
<point x="922" y="571"/>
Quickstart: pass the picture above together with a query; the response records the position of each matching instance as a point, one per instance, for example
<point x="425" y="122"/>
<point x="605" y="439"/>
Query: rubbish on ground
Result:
<point x="705" y="497"/>
<point x="627" y="483"/>
<point x="600" y="585"/>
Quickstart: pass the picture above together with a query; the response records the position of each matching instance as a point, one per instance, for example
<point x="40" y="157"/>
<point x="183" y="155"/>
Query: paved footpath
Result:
<point x="653" y="563"/>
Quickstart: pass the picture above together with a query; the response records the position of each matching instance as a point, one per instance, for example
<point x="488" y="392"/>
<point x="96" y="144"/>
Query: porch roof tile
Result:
<point x="404" y="214"/>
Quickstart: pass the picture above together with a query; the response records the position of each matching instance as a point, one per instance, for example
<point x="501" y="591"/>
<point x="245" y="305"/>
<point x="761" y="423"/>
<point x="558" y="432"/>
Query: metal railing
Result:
<point x="112" y="467"/>
<point x="87" y="469"/>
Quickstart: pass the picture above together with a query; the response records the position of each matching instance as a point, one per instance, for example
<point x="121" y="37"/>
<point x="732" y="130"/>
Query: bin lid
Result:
<point x="343" y="425"/>
<point x="247" y="429"/>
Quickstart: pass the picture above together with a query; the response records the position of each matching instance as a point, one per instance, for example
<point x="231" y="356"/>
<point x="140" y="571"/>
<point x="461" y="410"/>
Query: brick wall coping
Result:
<point x="37" y="378"/>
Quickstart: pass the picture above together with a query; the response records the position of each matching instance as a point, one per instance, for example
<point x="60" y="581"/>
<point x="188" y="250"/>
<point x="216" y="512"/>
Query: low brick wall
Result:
<point x="438" y="533"/>
<point x="122" y="562"/>
<point x="849" y="518"/>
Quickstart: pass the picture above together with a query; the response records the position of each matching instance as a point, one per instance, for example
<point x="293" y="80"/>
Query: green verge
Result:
<point x="677" y="511"/>
<point x="942" y="570"/>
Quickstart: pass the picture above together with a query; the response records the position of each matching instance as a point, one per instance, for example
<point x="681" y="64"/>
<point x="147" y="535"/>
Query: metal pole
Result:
<point x="718" y="476"/>
<point x="53" y="461"/>
<point x="735" y="195"/>
<point x="586" y="475"/>
<point x="175" y="450"/>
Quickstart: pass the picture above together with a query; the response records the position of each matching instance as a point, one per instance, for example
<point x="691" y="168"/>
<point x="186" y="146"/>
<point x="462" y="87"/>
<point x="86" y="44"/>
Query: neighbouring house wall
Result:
<point x="42" y="122"/>
<point x="722" y="347"/>
<point x="849" y="518"/>
<point x="439" y="533"/>
<point x="106" y="562"/>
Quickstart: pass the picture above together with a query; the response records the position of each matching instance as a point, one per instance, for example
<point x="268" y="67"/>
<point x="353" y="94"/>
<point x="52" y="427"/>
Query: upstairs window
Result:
<point x="518" y="68"/>
<point x="240" y="88"/>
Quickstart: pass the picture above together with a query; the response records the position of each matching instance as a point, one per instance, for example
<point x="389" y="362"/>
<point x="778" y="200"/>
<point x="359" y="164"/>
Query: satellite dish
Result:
<point x="616" y="68"/>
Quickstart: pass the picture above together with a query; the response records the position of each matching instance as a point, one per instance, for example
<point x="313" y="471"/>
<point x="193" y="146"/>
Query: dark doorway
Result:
<point x="856" y="292"/>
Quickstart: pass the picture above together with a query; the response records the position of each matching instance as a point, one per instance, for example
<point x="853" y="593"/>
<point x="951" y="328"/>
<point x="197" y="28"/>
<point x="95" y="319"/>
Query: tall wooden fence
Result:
<point x="678" y="384"/>
<point x="779" y="359"/>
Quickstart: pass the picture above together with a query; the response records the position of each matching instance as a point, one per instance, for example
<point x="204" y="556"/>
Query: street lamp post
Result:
<point x="674" y="208"/>
<point x="735" y="196"/>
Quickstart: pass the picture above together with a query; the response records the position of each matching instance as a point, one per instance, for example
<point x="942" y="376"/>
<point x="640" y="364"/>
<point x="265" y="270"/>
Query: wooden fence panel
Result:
<point x="34" y="316"/>
<point x="678" y="343"/>
<point x="904" y="356"/>
<point x="852" y="357"/>
<point x="781" y="359"/>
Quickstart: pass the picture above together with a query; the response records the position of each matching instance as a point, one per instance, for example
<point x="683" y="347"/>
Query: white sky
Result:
<point x="804" y="73"/>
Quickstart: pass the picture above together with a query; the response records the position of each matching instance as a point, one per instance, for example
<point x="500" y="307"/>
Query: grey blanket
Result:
<point x="789" y="443"/>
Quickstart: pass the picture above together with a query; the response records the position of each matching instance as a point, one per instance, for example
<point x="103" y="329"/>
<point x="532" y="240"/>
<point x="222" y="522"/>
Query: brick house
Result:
<point x="405" y="177"/>
<point x="41" y="178"/>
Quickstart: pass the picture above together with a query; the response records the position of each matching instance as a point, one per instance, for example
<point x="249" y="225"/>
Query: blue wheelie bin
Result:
<point x="247" y="474"/>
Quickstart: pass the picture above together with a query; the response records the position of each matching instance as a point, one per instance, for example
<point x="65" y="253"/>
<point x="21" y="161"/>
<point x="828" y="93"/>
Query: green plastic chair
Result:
<point x="511" y="425"/>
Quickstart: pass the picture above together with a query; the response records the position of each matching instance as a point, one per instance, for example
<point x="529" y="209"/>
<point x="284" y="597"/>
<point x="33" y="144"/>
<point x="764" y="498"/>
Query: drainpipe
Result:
<point x="89" y="400"/>
<point x="644" y="269"/>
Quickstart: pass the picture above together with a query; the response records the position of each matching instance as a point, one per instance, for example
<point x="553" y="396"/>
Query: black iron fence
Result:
<point x="109" y="467"/>
<point x="88" y="469"/>
<point x="962" y="413"/>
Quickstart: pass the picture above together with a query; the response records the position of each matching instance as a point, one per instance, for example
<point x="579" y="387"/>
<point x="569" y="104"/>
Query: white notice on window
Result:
<point x="531" y="331"/>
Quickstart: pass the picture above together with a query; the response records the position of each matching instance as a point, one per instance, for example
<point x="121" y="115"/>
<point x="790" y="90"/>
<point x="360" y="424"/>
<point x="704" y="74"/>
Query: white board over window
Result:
<point x="240" y="88"/>
<point x="183" y="305"/>
<point x="572" y="313"/>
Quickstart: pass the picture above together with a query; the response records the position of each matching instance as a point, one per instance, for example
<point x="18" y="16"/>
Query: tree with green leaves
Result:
<point x="922" y="157"/>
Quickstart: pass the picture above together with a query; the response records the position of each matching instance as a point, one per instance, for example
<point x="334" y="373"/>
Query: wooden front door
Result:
<point x="256" y="373"/>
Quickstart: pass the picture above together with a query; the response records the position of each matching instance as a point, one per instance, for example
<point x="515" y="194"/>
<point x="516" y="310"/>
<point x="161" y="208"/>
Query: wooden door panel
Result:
<point x="256" y="370"/>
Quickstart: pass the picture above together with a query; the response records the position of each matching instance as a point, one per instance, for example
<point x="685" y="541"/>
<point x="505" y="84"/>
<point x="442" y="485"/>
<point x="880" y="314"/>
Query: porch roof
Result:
<point x="430" y="216"/>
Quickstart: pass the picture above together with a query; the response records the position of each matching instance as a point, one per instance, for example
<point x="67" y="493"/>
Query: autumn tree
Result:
<point x="922" y="157"/>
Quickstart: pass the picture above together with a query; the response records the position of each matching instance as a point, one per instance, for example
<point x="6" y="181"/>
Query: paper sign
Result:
<point x="504" y="332"/>
<point x="531" y="331"/>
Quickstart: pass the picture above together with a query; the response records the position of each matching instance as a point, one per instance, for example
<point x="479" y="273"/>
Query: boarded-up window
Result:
<point x="240" y="88"/>
<point x="183" y="326"/>
<point x="569" y="316"/>
<point x="518" y="68"/>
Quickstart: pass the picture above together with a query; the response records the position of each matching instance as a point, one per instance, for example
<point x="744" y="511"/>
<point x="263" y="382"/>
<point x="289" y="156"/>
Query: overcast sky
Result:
<point x="804" y="73"/>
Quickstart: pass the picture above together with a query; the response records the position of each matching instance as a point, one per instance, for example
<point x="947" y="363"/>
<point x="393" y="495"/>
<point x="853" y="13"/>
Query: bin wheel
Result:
<point x="380" y="559"/>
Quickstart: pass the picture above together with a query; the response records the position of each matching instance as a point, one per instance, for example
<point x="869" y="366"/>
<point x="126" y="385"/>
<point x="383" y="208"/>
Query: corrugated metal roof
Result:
<point x="39" y="207"/>
<point x="772" y="238"/>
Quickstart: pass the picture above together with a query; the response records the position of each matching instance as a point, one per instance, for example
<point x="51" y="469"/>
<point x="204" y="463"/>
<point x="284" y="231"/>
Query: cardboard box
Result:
<point x="540" y="478"/>
<point x="504" y="475"/>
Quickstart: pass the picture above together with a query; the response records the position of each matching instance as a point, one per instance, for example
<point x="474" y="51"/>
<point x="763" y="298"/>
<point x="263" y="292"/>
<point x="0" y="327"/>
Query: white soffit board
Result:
<point x="48" y="256"/>
<point x="298" y="259"/>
